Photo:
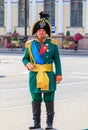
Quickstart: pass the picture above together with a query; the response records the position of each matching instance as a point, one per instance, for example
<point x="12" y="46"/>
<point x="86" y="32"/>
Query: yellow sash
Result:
<point x="42" y="77"/>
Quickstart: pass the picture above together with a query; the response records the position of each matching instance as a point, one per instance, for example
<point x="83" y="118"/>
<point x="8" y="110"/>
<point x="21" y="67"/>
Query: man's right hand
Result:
<point x="29" y="66"/>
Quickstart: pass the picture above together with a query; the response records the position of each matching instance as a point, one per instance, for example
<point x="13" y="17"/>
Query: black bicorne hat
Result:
<point x="43" y="23"/>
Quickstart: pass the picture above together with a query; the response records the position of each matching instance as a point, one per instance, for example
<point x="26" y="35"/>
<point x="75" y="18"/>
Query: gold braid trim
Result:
<point x="53" y="41"/>
<point x="28" y="45"/>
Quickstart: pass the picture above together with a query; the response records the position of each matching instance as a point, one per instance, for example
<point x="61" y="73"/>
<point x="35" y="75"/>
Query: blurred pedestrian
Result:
<point x="76" y="45"/>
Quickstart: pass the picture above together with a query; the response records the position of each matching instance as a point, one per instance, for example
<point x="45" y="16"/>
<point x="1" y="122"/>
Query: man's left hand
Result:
<point x="58" y="79"/>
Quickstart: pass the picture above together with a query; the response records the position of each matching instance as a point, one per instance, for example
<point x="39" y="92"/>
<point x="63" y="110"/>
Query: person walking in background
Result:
<point x="76" y="45"/>
<point x="77" y="38"/>
<point x="39" y="56"/>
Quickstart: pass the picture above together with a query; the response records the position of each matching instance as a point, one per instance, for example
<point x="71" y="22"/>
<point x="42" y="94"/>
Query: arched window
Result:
<point x="1" y="13"/>
<point x="76" y="13"/>
<point x="21" y="20"/>
<point x="49" y="6"/>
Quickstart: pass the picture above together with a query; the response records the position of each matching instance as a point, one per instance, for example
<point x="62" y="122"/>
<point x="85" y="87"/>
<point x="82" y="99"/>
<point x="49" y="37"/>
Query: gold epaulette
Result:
<point x="28" y="43"/>
<point x="53" y="41"/>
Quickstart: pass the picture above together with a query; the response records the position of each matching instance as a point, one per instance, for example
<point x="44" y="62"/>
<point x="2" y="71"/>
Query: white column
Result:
<point x="34" y="11"/>
<point x="69" y="14"/>
<point x="16" y="4"/>
<point x="9" y="17"/>
<point x="60" y="16"/>
<point x="86" y="17"/>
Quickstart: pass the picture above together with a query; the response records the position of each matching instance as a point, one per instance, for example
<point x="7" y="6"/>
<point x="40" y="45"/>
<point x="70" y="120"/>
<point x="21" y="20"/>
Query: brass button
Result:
<point x="46" y="56"/>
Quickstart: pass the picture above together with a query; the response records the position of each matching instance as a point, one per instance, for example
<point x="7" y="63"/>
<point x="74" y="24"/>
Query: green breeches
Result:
<point x="46" y="97"/>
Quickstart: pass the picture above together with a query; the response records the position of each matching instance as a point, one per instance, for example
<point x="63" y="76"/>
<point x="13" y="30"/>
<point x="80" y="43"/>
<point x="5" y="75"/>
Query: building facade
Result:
<point x="64" y="15"/>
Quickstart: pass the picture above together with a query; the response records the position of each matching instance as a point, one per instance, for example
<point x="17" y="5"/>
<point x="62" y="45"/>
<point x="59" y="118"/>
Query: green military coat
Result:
<point x="49" y="57"/>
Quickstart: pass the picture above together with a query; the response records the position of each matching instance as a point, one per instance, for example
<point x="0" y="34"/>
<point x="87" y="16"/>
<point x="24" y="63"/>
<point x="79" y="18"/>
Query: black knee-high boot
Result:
<point x="50" y="115"/>
<point x="36" y="108"/>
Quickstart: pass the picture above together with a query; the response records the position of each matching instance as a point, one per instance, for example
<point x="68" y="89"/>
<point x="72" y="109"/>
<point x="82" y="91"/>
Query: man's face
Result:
<point x="41" y="33"/>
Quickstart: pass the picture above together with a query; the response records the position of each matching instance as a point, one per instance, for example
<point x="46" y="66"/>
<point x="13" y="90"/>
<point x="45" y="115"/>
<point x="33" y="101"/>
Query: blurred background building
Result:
<point x="65" y="15"/>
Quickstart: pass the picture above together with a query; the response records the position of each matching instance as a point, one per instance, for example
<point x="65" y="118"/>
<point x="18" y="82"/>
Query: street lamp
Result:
<point x="25" y="25"/>
<point x="25" y="21"/>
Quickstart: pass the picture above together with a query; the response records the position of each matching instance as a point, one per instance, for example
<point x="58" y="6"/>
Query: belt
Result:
<point x="42" y="77"/>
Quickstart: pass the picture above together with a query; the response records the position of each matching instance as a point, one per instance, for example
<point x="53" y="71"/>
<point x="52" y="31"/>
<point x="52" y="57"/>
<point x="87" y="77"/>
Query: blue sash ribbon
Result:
<point x="36" y="54"/>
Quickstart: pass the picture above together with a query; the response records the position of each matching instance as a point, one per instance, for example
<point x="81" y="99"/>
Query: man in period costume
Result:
<point x="39" y="56"/>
